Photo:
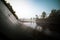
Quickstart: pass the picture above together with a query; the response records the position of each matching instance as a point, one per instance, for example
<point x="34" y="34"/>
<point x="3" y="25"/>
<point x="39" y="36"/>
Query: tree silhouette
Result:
<point x="54" y="20"/>
<point x="53" y="13"/>
<point x="37" y="16"/>
<point x="43" y="15"/>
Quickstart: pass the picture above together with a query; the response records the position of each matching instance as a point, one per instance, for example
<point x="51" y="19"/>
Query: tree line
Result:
<point x="52" y="21"/>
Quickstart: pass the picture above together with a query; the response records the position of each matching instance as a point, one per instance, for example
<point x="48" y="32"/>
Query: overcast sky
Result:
<point x="30" y="8"/>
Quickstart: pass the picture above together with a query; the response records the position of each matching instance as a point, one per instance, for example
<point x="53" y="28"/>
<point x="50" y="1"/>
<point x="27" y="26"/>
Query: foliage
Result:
<point x="54" y="20"/>
<point x="43" y="15"/>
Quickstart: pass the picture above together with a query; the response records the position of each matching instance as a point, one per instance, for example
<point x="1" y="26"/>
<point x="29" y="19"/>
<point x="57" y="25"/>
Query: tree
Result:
<point x="43" y="15"/>
<point x="53" y="13"/>
<point x="37" y="16"/>
<point x="54" y="20"/>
